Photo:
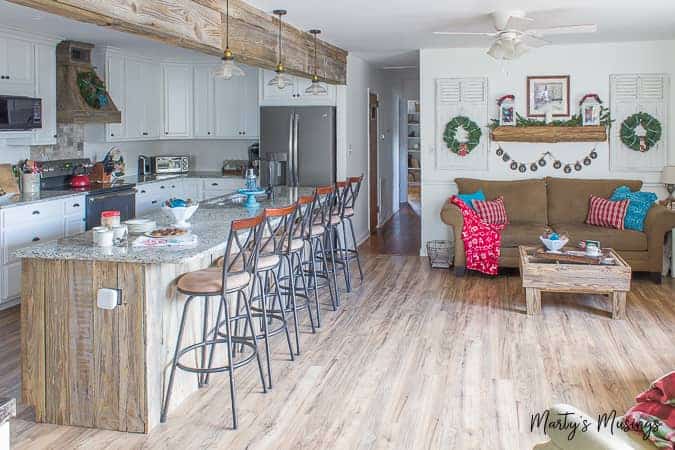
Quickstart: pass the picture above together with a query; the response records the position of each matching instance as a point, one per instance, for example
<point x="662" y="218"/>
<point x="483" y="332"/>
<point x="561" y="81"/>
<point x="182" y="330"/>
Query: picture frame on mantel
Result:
<point x="550" y="93"/>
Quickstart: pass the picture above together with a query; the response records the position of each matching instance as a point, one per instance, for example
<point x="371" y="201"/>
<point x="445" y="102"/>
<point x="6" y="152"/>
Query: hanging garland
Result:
<point x="642" y="142"/>
<point x="533" y="166"/>
<point x="92" y="89"/>
<point x="456" y="144"/>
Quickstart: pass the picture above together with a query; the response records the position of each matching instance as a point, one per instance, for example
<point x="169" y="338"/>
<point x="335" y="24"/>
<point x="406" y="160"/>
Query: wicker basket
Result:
<point x="440" y="254"/>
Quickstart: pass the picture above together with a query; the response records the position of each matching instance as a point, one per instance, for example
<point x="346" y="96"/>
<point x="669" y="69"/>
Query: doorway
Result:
<point x="373" y="176"/>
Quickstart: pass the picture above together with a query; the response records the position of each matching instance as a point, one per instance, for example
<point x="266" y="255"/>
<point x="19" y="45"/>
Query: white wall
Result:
<point x="589" y="67"/>
<point x="361" y="77"/>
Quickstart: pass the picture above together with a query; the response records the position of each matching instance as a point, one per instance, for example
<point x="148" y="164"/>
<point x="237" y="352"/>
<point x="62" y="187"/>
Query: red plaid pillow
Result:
<point x="606" y="213"/>
<point x="491" y="211"/>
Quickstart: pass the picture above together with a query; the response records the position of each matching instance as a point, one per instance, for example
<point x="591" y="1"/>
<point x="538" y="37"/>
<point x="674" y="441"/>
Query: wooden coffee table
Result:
<point x="541" y="275"/>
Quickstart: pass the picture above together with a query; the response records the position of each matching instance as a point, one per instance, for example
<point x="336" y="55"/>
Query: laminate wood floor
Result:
<point x="399" y="236"/>
<point x="414" y="358"/>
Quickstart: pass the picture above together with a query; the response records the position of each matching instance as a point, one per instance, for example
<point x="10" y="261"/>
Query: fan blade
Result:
<point x="571" y="29"/>
<point x="462" y="33"/>
<point x="534" y="41"/>
<point x="517" y="22"/>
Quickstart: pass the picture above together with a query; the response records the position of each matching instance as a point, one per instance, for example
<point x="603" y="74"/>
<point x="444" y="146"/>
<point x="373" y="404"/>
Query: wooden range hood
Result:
<point x="73" y="58"/>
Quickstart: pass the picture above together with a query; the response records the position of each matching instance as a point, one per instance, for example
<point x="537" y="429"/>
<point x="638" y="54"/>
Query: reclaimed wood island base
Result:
<point x="108" y="368"/>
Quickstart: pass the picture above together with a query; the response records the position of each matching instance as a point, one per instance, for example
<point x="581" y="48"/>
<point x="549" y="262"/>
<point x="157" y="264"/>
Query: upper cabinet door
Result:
<point x="45" y="56"/>
<point x="228" y="106"/>
<point x="152" y="95"/>
<point x="251" y="104"/>
<point x="177" y="100"/>
<point x="18" y="57"/>
<point x="115" y="75"/>
<point x="203" y="101"/>
<point x="294" y="94"/>
<point x="136" y="99"/>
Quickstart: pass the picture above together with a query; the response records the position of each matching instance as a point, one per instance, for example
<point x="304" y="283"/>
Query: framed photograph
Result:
<point x="507" y="115"/>
<point x="590" y="114"/>
<point x="548" y="94"/>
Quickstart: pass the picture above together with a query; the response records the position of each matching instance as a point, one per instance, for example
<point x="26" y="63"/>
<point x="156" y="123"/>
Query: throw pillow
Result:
<point x="469" y="198"/>
<point x="492" y="211"/>
<point x="639" y="206"/>
<point x="606" y="213"/>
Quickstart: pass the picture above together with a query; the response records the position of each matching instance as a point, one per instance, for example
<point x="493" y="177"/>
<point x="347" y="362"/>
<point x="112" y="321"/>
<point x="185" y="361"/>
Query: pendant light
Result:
<point x="281" y="80"/>
<point x="316" y="88"/>
<point x="228" y="68"/>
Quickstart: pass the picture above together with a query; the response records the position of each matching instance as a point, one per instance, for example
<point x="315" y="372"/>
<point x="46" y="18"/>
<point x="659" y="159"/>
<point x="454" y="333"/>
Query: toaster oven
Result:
<point x="170" y="164"/>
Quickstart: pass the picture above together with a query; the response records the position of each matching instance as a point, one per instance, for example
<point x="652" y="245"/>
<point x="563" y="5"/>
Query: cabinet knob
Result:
<point x="166" y="132"/>
<point x="55" y="136"/>
<point x="145" y="133"/>
<point x="209" y="133"/>
<point x="76" y="205"/>
<point x="214" y="184"/>
<point x="162" y="187"/>
<point x="143" y="191"/>
<point x="112" y="134"/>
<point x="154" y="202"/>
<point x="35" y="239"/>
<point x="35" y="213"/>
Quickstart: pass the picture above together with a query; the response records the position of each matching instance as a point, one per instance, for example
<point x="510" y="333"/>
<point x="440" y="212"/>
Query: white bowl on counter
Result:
<point x="181" y="215"/>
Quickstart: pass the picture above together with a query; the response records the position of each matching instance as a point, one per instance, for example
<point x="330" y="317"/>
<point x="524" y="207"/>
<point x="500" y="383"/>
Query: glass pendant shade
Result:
<point x="281" y="80"/>
<point x="507" y="49"/>
<point x="316" y="88"/>
<point x="229" y="69"/>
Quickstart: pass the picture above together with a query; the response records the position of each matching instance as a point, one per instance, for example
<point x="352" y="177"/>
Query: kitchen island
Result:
<point x="107" y="368"/>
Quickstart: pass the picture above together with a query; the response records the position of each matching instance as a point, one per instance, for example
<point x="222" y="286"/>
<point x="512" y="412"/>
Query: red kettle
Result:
<point x="80" y="181"/>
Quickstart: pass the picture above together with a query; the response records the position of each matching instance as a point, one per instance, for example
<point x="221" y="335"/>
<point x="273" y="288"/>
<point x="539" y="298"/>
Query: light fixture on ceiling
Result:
<point x="507" y="48"/>
<point x="280" y="80"/>
<point x="228" y="68"/>
<point x="316" y="88"/>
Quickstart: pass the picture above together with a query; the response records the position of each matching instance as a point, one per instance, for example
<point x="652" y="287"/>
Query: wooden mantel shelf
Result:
<point x="550" y="134"/>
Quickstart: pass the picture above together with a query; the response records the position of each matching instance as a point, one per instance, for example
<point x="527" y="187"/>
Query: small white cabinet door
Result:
<point x="294" y="94"/>
<point x="45" y="57"/>
<point x="115" y="74"/>
<point x="272" y="94"/>
<point x="152" y="94"/>
<point x="228" y="97"/>
<point x="177" y="100"/>
<point x="250" y="104"/>
<point x="16" y="61"/>
<point x="135" y="99"/>
<point x="203" y="101"/>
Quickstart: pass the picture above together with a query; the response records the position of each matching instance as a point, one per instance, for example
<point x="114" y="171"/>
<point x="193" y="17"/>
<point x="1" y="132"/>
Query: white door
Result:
<point x="45" y="57"/>
<point x="177" y="100"/>
<point x="203" y="101"/>
<point x="116" y="89"/>
<point x="250" y="105"/>
<point x="135" y="104"/>
<point x="228" y="97"/>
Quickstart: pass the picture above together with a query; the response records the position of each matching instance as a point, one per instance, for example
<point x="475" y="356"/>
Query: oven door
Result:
<point x="124" y="202"/>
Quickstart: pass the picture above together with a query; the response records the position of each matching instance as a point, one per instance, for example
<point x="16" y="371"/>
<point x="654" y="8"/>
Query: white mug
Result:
<point x="103" y="238"/>
<point x="592" y="250"/>
<point x="94" y="234"/>
<point x="119" y="232"/>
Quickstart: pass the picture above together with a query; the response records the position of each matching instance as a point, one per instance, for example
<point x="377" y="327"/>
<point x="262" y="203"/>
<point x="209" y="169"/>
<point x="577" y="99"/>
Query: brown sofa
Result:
<point x="562" y="204"/>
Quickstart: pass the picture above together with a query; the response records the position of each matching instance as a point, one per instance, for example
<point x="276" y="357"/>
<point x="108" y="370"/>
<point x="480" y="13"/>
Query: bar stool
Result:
<point x="240" y="258"/>
<point x="351" y="253"/>
<point x="334" y="236"/>
<point x="311" y="230"/>
<point x="279" y="236"/>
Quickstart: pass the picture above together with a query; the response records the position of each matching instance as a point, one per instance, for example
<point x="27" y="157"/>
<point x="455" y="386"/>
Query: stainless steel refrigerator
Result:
<point x="297" y="145"/>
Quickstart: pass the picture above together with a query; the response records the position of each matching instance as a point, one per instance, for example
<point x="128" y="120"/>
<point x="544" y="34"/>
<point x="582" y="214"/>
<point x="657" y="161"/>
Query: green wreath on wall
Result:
<point x="92" y="89"/>
<point x="473" y="132"/>
<point x="640" y="143"/>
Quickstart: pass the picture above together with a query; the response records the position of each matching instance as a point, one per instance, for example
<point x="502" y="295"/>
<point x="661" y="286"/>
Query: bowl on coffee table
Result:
<point x="553" y="245"/>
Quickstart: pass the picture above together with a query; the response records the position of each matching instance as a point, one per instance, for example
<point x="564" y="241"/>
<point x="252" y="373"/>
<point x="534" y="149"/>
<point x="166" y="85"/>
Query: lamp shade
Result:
<point x="668" y="175"/>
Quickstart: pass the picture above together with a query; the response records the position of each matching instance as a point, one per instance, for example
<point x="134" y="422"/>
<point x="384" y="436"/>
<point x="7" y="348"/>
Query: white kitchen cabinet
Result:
<point x="45" y="88"/>
<point x="235" y="106"/>
<point x="294" y="93"/>
<point x="204" y="114"/>
<point x="251" y="104"/>
<point x="217" y="187"/>
<point x="16" y="62"/>
<point x="193" y="189"/>
<point x="177" y="100"/>
<point x="115" y="83"/>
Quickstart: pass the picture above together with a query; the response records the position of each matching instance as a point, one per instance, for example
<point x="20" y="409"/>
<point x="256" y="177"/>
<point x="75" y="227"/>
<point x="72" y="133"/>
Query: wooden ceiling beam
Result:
<point x="200" y="25"/>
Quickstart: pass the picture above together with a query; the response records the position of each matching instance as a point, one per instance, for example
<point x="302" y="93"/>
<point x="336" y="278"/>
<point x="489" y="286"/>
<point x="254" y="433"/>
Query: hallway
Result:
<point x="399" y="236"/>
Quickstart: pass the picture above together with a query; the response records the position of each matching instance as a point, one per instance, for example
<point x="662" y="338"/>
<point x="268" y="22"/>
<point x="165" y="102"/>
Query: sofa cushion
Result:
<point x="568" y="197"/>
<point x="525" y="200"/>
<point x="521" y="234"/>
<point x="606" y="213"/>
<point x="626" y="240"/>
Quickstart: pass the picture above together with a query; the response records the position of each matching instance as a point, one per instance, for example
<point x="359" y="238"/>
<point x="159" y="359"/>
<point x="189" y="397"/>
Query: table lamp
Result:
<point x="668" y="178"/>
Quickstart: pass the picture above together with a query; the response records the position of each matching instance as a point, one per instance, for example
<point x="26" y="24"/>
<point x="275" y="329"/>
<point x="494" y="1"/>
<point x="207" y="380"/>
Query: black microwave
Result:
<point x="20" y="113"/>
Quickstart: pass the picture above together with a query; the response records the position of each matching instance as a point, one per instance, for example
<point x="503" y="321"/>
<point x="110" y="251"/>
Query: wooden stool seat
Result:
<point x="317" y="230"/>
<point x="264" y="262"/>
<point x="210" y="282"/>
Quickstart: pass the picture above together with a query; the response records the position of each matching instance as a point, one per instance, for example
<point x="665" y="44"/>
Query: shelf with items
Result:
<point x="550" y="134"/>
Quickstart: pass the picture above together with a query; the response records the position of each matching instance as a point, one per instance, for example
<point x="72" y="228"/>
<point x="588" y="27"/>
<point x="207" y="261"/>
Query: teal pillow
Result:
<point x="639" y="205"/>
<point x="467" y="198"/>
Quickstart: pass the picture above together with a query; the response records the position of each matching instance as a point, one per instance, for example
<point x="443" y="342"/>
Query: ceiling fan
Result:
<point x="513" y="37"/>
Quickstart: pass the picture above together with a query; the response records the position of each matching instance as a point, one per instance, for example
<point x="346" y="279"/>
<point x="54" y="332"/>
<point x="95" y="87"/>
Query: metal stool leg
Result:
<point x="230" y="361"/>
<point x="356" y="248"/>
<point x="332" y="289"/>
<point x="291" y="293"/>
<point x="283" y="314"/>
<point x="298" y="270"/>
<point x="167" y="398"/>
<point x="312" y="268"/>
<point x="331" y="246"/>
<point x="215" y="336"/>
<point x="342" y="244"/>
<point x="202" y="376"/>
<point x="249" y="320"/>
<point x="263" y="302"/>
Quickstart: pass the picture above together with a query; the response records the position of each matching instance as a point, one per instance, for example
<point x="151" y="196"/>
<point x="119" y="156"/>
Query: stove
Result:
<point x="118" y="195"/>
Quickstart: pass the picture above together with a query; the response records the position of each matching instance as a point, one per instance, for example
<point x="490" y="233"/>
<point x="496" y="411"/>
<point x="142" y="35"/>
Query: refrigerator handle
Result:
<point x="290" y="165"/>
<point x="296" y="133"/>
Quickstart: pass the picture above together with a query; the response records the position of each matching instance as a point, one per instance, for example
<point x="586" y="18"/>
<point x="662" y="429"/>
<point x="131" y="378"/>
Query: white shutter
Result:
<point x="466" y="97"/>
<point x="630" y="94"/>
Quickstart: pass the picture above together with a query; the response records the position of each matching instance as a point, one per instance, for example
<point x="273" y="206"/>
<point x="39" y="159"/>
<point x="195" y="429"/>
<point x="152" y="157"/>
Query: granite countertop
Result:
<point x="211" y="224"/>
<point x="44" y="196"/>
<point x="7" y="409"/>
